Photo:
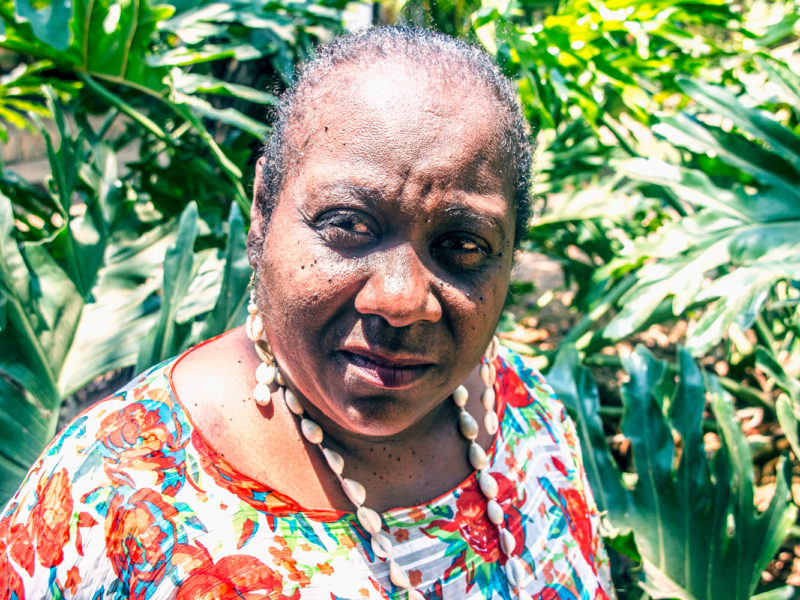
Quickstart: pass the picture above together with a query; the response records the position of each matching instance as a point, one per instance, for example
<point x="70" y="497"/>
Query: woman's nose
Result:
<point x="399" y="289"/>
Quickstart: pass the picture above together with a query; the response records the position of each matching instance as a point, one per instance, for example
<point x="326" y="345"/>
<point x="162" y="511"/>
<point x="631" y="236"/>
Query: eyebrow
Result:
<point x="462" y="212"/>
<point x="344" y="188"/>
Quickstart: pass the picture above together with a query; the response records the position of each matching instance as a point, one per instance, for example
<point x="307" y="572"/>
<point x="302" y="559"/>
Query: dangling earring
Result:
<point x="267" y="372"/>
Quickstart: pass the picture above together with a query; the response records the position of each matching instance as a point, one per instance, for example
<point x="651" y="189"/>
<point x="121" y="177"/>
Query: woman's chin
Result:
<point x="381" y="417"/>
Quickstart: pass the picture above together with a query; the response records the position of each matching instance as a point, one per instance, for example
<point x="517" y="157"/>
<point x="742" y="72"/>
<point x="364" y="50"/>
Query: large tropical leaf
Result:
<point x="742" y="234"/>
<point x="79" y="302"/>
<point x="696" y="528"/>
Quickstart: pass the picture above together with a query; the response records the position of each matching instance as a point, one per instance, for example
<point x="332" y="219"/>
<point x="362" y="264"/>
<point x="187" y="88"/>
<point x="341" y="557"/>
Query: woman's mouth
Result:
<point x="386" y="370"/>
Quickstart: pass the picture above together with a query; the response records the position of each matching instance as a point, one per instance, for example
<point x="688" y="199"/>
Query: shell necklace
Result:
<point x="268" y="373"/>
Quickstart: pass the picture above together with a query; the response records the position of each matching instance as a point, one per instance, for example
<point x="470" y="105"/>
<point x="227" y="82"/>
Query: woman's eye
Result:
<point x="461" y="252"/>
<point x="346" y="229"/>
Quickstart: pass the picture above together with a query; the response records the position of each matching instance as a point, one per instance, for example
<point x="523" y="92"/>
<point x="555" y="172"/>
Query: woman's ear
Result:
<point x="255" y="237"/>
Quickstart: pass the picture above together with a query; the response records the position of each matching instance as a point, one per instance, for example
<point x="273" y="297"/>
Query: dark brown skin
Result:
<point x="381" y="279"/>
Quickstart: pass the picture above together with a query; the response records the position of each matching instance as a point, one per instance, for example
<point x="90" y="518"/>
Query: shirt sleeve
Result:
<point x="51" y="543"/>
<point x="602" y="564"/>
<point x="576" y="497"/>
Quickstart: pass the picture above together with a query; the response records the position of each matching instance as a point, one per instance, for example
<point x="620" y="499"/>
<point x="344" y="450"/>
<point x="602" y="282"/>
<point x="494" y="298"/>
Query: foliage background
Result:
<point x="668" y="137"/>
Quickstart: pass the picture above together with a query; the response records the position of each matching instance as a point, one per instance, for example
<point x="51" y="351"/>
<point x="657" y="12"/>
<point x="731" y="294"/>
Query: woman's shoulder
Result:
<point x="521" y="387"/>
<point x="59" y="517"/>
<point x="112" y="429"/>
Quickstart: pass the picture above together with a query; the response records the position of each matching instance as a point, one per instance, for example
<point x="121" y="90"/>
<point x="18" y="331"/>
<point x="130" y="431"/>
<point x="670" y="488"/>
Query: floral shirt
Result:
<point x="130" y="501"/>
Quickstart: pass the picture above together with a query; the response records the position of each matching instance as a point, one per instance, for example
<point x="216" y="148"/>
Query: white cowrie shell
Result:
<point x="292" y="402"/>
<point x="488" y="398"/>
<point x="460" y="396"/>
<point x="467" y="425"/>
<point x="262" y="395"/>
<point x="381" y="546"/>
<point x="507" y="542"/>
<point x="264" y="352"/>
<point x="495" y="512"/>
<point x="477" y="457"/>
<point x="488" y="485"/>
<point x="254" y="327"/>
<point x="369" y="519"/>
<point x="311" y="431"/>
<point x="335" y="460"/>
<point x="354" y="490"/>
<point x="398" y="576"/>
<point x="515" y="572"/>
<point x="490" y="422"/>
<point x="279" y="378"/>
<point x="487" y="374"/>
<point x="252" y="308"/>
<point x="265" y="373"/>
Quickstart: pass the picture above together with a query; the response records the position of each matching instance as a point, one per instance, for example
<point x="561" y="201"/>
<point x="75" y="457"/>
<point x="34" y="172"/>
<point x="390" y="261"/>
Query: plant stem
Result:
<point x="747" y="393"/>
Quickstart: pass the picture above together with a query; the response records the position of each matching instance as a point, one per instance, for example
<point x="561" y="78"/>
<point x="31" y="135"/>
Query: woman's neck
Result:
<point x="265" y="444"/>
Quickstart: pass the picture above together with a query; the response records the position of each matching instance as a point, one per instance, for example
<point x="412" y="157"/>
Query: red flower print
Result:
<point x="473" y="524"/>
<point x="12" y="587"/>
<point x="401" y="535"/>
<point x="560" y="466"/>
<point x="73" y="579"/>
<point x="141" y="437"/>
<point x="600" y="594"/>
<point x="84" y="520"/>
<point x="580" y="526"/>
<point x="547" y="594"/>
<point x="49" y="519"/>
<point x="238" y="576"/>
<point x="510" y="387"/>
<point x="16" y="545"/>
<point x="16" y="542"/>
<point x="140" y="536"/>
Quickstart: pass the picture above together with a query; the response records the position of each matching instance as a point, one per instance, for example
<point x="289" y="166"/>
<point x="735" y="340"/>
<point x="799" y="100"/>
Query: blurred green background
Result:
<point x="659" y="287"/>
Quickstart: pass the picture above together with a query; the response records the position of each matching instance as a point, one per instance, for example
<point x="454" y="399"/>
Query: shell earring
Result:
<point x="267" y="371"/>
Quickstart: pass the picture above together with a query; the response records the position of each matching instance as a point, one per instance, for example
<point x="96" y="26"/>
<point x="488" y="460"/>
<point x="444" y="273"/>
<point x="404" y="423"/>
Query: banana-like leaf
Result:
<point x="195" y="305"/>
<point x="230" y="308"/>
<point x="782" y="141"/>
<point x="165" y="339"/>
<point x="743" y="235"/>
<point x="695" y="525"/>
<point x="55" y="339"/>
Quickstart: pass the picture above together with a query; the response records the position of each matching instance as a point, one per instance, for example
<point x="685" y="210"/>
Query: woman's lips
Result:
<point x="387" y="371"/>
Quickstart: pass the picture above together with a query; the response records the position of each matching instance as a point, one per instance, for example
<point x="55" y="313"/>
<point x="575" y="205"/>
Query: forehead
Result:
<point x="392" y="118"/>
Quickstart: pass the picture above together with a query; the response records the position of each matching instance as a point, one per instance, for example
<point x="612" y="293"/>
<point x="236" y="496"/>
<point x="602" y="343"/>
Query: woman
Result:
<point x="360" y="437"/>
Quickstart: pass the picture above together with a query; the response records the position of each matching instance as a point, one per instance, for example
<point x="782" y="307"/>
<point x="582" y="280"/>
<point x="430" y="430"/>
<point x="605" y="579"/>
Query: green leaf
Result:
<point x="575" y="387"/>
<point x="771" y="168"/>
<point x="695" y="525"/>
<point x="782" y="141"/>
<point x="781" y="75"/>
<point x="167" y="336"/>
<point x="786" y="592"/>
<point x="47" y="19"/>
<point x="230" y="309"/>
<point x="193" y="83"/>
<point x="789" y="422"/>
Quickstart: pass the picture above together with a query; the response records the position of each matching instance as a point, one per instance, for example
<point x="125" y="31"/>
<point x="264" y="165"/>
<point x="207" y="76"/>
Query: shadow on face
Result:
<point x="387" y="257"/>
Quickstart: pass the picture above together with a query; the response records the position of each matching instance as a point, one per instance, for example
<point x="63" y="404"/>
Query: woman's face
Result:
<point x="387" y="257"/>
